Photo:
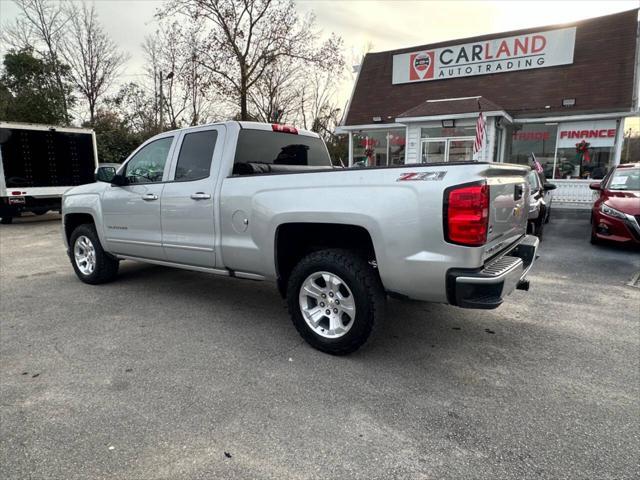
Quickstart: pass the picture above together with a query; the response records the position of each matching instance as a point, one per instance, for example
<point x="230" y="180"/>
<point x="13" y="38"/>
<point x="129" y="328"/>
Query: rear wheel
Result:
<point x="91" y="263"/>
<point x="40" y="211"/>
<point x="335" y="299"/>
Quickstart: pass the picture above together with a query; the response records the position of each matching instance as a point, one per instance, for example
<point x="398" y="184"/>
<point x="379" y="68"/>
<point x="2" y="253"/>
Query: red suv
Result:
<point x="616" y="212"/>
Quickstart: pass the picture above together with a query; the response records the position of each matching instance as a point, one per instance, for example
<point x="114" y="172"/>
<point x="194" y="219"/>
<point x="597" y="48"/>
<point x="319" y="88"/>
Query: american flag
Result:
<point x="537" y="165"/>
<point x="480" y="128"/>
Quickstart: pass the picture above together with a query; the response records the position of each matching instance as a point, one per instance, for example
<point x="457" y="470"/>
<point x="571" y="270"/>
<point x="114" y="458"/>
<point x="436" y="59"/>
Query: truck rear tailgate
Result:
<point x="508" y="207"/>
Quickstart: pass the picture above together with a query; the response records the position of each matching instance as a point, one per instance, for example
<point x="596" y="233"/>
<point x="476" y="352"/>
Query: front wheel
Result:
<point x="91" y="263"/>
<point x="335" y="299"/>
<point x="6" y="220"/>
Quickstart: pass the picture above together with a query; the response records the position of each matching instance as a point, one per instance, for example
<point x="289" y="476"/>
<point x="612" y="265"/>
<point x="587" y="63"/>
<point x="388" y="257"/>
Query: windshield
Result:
<point x="625" y="179"/>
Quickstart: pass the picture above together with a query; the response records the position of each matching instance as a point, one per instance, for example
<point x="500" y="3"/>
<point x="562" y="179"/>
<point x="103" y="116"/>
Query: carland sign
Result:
<point x="500" y="55"/>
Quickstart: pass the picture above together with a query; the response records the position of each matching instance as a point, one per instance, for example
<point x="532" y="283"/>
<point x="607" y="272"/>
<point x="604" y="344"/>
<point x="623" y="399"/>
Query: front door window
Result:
<point x="147" y="165"/>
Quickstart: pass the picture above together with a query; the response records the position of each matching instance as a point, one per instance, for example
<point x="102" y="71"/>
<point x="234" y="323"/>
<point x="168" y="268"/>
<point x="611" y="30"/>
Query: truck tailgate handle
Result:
<point x="200" y="196"/>
<point x="149" y="197"/>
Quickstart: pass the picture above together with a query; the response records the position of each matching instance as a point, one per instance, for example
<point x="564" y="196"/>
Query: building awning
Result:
<point x="446" y="107"/>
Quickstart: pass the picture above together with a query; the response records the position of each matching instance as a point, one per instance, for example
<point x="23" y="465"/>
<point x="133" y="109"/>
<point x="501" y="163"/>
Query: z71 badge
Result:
<point x="424" y="176"/>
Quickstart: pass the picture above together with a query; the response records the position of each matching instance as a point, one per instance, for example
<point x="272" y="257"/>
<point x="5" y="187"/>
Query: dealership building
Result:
<point x="559" y="92"/>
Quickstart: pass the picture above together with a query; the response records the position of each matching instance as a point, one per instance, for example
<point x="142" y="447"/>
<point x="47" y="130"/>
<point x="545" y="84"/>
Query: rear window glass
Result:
<point x="261" y="151"/>
<point x="196" y="153"/>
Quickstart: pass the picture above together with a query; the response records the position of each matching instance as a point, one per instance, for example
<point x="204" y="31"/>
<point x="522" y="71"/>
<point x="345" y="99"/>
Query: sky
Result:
<point x="385" y="25"/>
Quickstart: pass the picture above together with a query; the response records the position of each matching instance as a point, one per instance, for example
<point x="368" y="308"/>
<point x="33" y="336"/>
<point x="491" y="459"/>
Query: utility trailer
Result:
<point x="38" y="163"/>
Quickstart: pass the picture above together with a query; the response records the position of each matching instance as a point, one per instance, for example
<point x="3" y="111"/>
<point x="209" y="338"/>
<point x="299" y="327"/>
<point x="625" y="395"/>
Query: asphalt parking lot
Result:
<point x="168" y="374"/>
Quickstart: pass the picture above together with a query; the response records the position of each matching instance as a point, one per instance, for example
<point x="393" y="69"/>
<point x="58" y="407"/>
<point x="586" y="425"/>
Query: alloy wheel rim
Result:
<point x="85" y="255"/>
<point x="327" y="304"/>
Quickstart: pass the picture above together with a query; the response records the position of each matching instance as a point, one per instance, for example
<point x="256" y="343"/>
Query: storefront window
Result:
<point x="537" y="139"/>
<point x="585" y="149"/>
<point x="441" y="132"/>
<point x="379" y="147"/>
<point x="577" y="163"/>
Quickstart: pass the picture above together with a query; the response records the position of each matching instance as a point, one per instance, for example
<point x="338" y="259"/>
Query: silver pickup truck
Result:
<point x="263" y="202"/>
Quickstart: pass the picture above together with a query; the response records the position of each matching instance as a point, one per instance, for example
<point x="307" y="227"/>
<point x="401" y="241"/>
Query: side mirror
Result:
<point x="119" y="180"/>
<point x="105" y="174"/>
<point x="595" y="186"/>
<point x="549" y="186"/>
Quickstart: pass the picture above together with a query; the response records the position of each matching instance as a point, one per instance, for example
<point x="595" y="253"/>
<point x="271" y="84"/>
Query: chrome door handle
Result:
<point x="200" y="196"/>
<point x="149" y="197"/>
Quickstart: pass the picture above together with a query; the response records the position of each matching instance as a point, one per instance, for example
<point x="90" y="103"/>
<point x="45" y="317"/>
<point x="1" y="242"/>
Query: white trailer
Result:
<point x="38" y="163"/>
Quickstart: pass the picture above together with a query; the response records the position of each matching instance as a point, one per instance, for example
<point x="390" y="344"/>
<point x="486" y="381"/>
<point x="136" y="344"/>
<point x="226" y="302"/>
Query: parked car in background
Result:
<point x="616" y="212"/>
<point x="263" y="202"/>
<point x="38" y="163"/>
<point x="539" y="202"/>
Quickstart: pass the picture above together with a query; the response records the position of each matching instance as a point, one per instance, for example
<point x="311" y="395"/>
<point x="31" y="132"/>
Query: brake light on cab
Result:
<point x="276" y="127"/>
<point x="466" y="214"/>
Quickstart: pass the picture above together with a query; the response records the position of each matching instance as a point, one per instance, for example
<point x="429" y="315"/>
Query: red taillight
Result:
<point x="467" y="215"/>
<point x="17" y="192"/>
<point x="284" y="128"/>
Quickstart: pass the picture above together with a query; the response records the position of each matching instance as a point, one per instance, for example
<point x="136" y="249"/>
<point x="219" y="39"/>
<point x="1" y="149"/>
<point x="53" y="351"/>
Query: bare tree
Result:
<point x="93" y="57"/>
<point x="276" y="96"/>
<point x="242" y="38"/>
<point x="41" y="26"/>
<point x="173" y="54"/>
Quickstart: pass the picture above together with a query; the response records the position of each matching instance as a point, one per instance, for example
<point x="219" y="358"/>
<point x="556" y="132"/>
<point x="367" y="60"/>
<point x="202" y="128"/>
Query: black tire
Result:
<point x="594" y="239"/>
<point x="6" y="220"/>
<point x="40" y="211"/>
<point x="106" y="266"/>
<point x="548" y="217"/>
<point x="365" y="285"/>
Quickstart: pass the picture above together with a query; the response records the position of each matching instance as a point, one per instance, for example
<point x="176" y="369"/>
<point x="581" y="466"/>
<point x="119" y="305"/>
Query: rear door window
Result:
<point x="196" y="154"/>
<point x="262" y="151"/>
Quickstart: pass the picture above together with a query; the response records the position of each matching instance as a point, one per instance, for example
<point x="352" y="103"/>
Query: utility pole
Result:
<point x="161" y="101"/>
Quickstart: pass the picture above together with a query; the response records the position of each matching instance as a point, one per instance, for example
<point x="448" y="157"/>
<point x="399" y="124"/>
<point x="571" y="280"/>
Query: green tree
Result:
<point x="29" y="90"/>
<point x="114" y="137"/>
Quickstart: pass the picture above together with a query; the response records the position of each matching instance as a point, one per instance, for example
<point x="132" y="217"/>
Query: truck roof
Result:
<point x="271" y="127"/>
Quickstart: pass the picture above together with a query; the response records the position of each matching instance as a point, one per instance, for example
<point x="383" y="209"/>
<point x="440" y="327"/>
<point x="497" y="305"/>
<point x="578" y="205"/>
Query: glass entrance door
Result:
<point x="460" y="149"/>
<point x="454" y="149"/>
<point x="434" y="151"/>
